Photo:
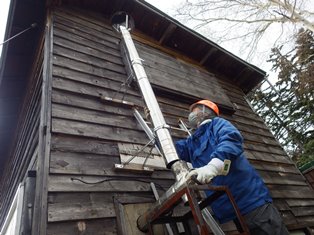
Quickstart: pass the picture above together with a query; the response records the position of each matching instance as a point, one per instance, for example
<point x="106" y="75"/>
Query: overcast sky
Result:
<point x="164" y="5"/>
<point x="4" y="6"/>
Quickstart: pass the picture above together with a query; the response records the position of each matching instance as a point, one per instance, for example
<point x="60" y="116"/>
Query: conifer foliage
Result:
<point x="288" y="106"/>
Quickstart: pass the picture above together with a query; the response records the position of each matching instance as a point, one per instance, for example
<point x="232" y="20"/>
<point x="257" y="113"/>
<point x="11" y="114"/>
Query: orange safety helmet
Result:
<point x="208" y="104"/>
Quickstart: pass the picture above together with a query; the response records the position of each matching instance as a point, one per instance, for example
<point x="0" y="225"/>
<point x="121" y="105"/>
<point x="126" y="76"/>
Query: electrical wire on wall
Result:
<point x="116" y="179"/>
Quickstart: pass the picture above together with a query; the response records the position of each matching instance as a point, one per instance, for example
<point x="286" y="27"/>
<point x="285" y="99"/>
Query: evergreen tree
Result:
<point x="288" y="106"/>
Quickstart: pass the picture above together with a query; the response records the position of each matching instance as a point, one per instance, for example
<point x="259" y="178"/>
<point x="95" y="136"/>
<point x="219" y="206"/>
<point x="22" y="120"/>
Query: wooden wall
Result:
<point x="86" y="129"/>
<point x="309" y="175"/>
<point x="24" y="151"/>
<point x="290" y="191"/>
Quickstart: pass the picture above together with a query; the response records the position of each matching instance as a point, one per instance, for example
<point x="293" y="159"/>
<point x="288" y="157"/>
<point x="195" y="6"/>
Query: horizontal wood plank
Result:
<point x="89" y="59"/>
<point x="81" y="163"/>
<point x="274" y="166"/>
<point x="282" y="178"/>
<point x="79" y="211"/>
<point x="65" y="143"/>
<point x="89" y="30"/>
<point x="265" y="152"/>
<point x="80" y="206"/>
<point x="281" y="205"/>
<point x="102" y="118"/>
<point x="96" y="26"/>
<point x="92" y="164"/>
<point x="80" y="66"/>
<point x="88" y="227"/>
<point x="305" y="193"/>
<point x="63" y="126"/>
<point x="99" y="197"/>
<point x="303" y="211"/>
<point x="156" y="174"/>
<point x="66" y="35"/>
<point x="68" y="183"/>
<point x="288" y="218"/>
<point x="89" y="103"/>
<point x="300" y="202"/>
<point x="77" y="155"/>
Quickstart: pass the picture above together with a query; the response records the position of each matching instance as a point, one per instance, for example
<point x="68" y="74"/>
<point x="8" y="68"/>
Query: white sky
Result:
<point x="164" y="5"/>
<point x="4" y="7"/>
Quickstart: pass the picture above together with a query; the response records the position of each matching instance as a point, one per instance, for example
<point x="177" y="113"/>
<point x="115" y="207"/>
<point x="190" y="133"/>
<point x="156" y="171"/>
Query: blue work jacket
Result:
<point x="220" y="139"/>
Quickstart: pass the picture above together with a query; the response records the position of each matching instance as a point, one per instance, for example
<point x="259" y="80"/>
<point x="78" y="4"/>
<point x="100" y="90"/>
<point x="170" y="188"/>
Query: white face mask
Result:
<point x="196" y="117"/>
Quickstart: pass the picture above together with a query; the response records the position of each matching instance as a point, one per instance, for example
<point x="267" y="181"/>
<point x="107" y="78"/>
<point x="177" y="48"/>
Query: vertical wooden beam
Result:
<point x="208" y="54"/>
<point x="121" y="222"/>
<point x="170" y="29"/>
<point x="40" y="211"/>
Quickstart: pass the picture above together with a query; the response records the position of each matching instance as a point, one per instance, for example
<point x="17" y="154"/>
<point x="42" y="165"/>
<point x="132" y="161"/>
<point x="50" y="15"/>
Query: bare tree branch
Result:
<point x="244" y="19"/>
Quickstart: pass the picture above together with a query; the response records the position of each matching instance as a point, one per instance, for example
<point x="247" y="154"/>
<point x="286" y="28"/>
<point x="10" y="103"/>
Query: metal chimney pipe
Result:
<point x="120" y="22"/>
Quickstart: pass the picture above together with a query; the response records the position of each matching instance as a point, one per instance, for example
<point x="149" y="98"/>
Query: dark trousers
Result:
<point x="264" y="220"/>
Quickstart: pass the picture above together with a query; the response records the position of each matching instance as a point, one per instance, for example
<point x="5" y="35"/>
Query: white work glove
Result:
<point x="206" y="173"/>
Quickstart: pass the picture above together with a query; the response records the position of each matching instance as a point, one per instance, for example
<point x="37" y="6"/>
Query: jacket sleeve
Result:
<point x="182" y="150"/>
<point x="229" y="140"/>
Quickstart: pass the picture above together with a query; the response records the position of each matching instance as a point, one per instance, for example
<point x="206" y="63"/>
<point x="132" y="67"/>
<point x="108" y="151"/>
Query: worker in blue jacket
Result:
<point x="215" y="143"/>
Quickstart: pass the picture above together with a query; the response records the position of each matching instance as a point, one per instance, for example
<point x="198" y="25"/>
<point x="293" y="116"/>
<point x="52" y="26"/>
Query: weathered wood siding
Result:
<point x="86" y="130"/>
<point x="290" y="191"/>
<point x="25" y="149"/>
<point x="309" y="175"/>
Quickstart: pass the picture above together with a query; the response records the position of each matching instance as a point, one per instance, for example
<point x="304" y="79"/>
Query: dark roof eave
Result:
<point x="259" y="73"/>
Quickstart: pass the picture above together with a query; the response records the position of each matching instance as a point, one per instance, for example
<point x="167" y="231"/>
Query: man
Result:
<point x="215" y="141"/>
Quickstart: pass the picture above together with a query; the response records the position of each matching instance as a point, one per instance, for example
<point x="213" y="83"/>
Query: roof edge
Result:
<point x="200" y="36"/>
